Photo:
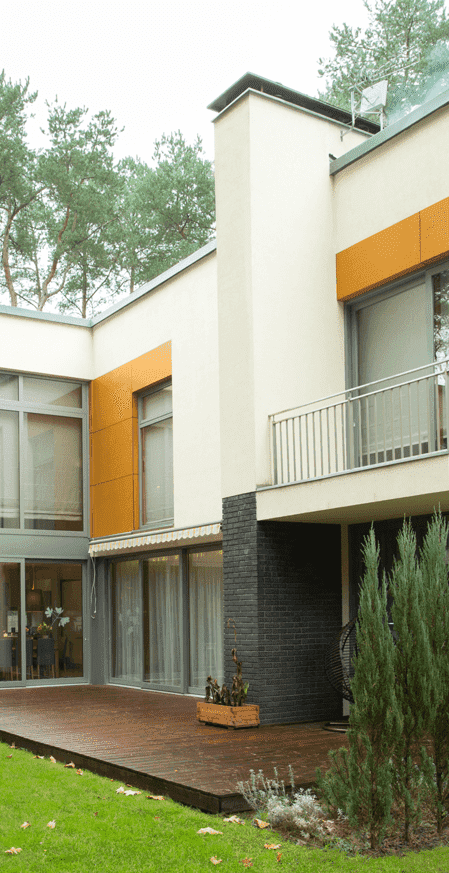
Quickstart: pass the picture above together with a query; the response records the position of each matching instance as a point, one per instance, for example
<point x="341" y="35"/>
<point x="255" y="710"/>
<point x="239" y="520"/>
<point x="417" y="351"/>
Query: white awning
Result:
<point x="208" y="533"/>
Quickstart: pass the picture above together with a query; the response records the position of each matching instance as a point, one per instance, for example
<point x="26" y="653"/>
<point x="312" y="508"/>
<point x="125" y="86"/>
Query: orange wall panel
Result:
<point x="435" y="230"/>
<point x="111" y="397"/>
<point x="387" y="254"/>
<point x="151" y="367"/>
<point x="112" y="507"/>
<point x="112" y="452"/>
<point x="114" y="434"/>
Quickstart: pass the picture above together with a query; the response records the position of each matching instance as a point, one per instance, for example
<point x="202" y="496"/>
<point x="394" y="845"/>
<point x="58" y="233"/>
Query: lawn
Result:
<point x="92" y="827"/>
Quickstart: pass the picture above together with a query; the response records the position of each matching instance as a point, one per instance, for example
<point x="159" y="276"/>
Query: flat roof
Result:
<point x="250" y="81"/>
<point x="388" y="133"/>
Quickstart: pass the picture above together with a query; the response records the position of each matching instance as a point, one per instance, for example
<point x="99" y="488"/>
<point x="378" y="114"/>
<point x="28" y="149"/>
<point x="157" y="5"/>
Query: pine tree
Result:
<point x="435" y="612"/>
<point x="361" y="781"/>
<point x="412" y="665"/>
<point x="406" y="42"/>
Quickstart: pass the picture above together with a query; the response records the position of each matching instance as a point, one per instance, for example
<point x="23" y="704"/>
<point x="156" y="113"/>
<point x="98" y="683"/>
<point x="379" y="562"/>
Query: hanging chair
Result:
<point x="338" y="660"/>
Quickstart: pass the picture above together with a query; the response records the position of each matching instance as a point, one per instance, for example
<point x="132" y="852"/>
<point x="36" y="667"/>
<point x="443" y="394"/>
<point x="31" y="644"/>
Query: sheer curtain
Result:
<point x="126" y="621"/>
<point x="206" y="617"/>
<point x="164" y="622"/>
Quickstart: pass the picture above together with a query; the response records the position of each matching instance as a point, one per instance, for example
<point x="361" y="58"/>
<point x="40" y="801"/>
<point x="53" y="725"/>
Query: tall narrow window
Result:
<point x="156" y="451"/>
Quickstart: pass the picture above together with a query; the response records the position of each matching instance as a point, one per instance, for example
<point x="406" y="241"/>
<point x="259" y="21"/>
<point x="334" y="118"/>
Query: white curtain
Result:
<point x="164" y="622"/>
<point x="206" y="617"/>
<point x="127" y="663"/>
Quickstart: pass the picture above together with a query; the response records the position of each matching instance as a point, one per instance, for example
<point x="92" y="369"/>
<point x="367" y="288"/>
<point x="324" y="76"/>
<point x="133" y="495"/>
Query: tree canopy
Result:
<point x="405" y="42"/>
<point x="79" y="228"/>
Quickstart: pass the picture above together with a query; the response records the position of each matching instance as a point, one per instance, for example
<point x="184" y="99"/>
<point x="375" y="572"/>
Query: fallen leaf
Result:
<point x="155" y="797"/>
<point x="246" y="862"/>
<point x="261" y="824"/>
<point x="157" y="817"/>
<point x="51" y="824"/>
<point x="12" y="851"/>
<point x="129" y="793"/>
<point x="272" y="846"/>
<point x="278" y="856"/>
<point x="95" y="813"/>
<point x="26" y="824"/>
<point x="120" y="790"/>
<point x="215" y="860"/>
<point x="9" y="756"/>
<point x="39" y="756"/>
<point x="12" y="746"/>
<point x="70" y="765"/>
<point x="52" y="759"/>
<point x="234" y="819"/>
<point x="79" y="772"/>
<point x="208" y="831"/>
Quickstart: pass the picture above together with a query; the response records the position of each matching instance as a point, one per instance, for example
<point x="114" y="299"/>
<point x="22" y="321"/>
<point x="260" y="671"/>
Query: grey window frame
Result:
<point x="142" y="424"/>
<point x="22" y="407"/>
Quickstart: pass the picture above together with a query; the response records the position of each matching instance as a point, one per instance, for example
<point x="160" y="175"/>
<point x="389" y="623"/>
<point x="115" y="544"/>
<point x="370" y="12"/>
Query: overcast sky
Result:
<point x="157" y="66"/>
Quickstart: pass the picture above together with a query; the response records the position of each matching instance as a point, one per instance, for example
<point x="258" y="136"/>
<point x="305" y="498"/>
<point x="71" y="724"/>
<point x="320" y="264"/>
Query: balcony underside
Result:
<point x="414" y="487"/>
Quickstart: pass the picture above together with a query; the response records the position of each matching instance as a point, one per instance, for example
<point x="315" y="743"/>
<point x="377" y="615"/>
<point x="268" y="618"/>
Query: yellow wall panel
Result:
<point x="435" y="230"/>
<point x="136" y="502"/>
<point x="392" y="252"/>
<point x="111" y="397"/>
<point x="112" y="507"/>
<point x="112" y="452"/>
<point x="151" y="367"/>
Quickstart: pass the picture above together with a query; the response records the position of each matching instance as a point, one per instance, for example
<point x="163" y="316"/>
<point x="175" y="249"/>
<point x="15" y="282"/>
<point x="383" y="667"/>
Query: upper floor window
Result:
<point x="156" y="457"/>
<point x="41" y="453"/>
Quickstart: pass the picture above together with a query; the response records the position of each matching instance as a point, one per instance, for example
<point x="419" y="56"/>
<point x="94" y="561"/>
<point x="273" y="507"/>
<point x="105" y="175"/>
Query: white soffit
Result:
<point x="141" y="542"/>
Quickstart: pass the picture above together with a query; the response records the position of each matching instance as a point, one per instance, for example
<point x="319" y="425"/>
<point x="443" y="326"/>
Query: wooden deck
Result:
<point x="153" y="741"/>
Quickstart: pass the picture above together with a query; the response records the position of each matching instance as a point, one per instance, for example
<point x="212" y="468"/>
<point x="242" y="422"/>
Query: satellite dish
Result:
<point x="374" y="98"/>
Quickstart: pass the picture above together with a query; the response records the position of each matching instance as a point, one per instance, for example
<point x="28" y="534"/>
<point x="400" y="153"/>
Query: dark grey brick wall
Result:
<point x="282" y="585"/>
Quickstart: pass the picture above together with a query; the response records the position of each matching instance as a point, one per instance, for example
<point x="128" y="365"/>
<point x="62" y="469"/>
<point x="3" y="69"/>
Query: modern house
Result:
<point x="215" y="446"/>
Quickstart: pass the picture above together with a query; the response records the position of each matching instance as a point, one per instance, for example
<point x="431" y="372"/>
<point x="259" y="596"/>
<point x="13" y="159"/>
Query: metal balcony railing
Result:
<point x="399" y="418"/>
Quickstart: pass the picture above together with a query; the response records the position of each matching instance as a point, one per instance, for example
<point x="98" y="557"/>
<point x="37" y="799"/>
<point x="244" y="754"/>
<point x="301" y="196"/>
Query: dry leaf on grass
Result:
<point x="272" y="846"/>
<point x="79" y="772"/>
<point x="261" y="824"/>
<point x="234" y="819"/>
<point x="12" y="746"/>
<point x="208" y="831"/>
<point x="26" y="824"/>
<point x="120" y="790"/>
<point x="52" y="759"/>
<point x="9" y="756"/>
<point x="51" y="824"/>
<point x="155" y="797"/>
<point x="215" y="860"/>
<point x="12" y="851"/>
<point x="39" y="756"/>
<point x="247" y="862"/>
<point x="278" y="856"/>
<point x="70" y="765"/>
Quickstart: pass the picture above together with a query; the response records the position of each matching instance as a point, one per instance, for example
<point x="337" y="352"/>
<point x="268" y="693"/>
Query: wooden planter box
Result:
<point x="228" y="716"/>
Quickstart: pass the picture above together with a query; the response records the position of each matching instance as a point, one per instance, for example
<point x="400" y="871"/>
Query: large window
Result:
<point x="41" y="453"/>
<point x="156" y="457"/>
<point x="166" y="620"/>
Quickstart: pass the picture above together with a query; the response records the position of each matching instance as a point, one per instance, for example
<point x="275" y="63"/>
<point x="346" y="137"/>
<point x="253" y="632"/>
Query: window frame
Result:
<point x="24" y="407"/>
<point x="142" y="424"/>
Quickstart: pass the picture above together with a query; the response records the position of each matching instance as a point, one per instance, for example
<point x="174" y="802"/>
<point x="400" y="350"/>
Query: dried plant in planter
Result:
<point x="237" y="695"/>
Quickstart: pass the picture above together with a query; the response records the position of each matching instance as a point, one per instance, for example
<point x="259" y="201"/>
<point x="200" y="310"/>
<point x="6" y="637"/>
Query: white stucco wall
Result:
<point x="45" y="347"/>
<point x="394" y="181"/>
<point x="280" y="326"/>
<point x="184" y="311"/>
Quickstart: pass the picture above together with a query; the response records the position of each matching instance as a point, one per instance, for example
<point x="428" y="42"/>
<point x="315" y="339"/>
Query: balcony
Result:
<point x="397" y="419"/>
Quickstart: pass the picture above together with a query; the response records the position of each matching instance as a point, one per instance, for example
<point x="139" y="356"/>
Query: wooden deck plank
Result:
<point x="153" y="740"/>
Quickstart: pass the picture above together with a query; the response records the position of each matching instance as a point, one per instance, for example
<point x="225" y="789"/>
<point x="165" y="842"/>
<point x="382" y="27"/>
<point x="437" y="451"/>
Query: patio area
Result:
<point x="153" y="741"/>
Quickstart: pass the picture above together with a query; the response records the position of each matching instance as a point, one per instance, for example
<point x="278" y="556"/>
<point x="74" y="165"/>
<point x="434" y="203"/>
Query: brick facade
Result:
<point x="282" y="584"/>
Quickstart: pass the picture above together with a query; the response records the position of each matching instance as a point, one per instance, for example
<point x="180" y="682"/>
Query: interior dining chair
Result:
<point x="45" y="655"/>
<point x="5" y="656"/>
<point x="30" y="656"/>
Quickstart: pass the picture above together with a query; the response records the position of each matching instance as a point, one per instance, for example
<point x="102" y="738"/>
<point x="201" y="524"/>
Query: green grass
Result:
<point x="100" y="830"/>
